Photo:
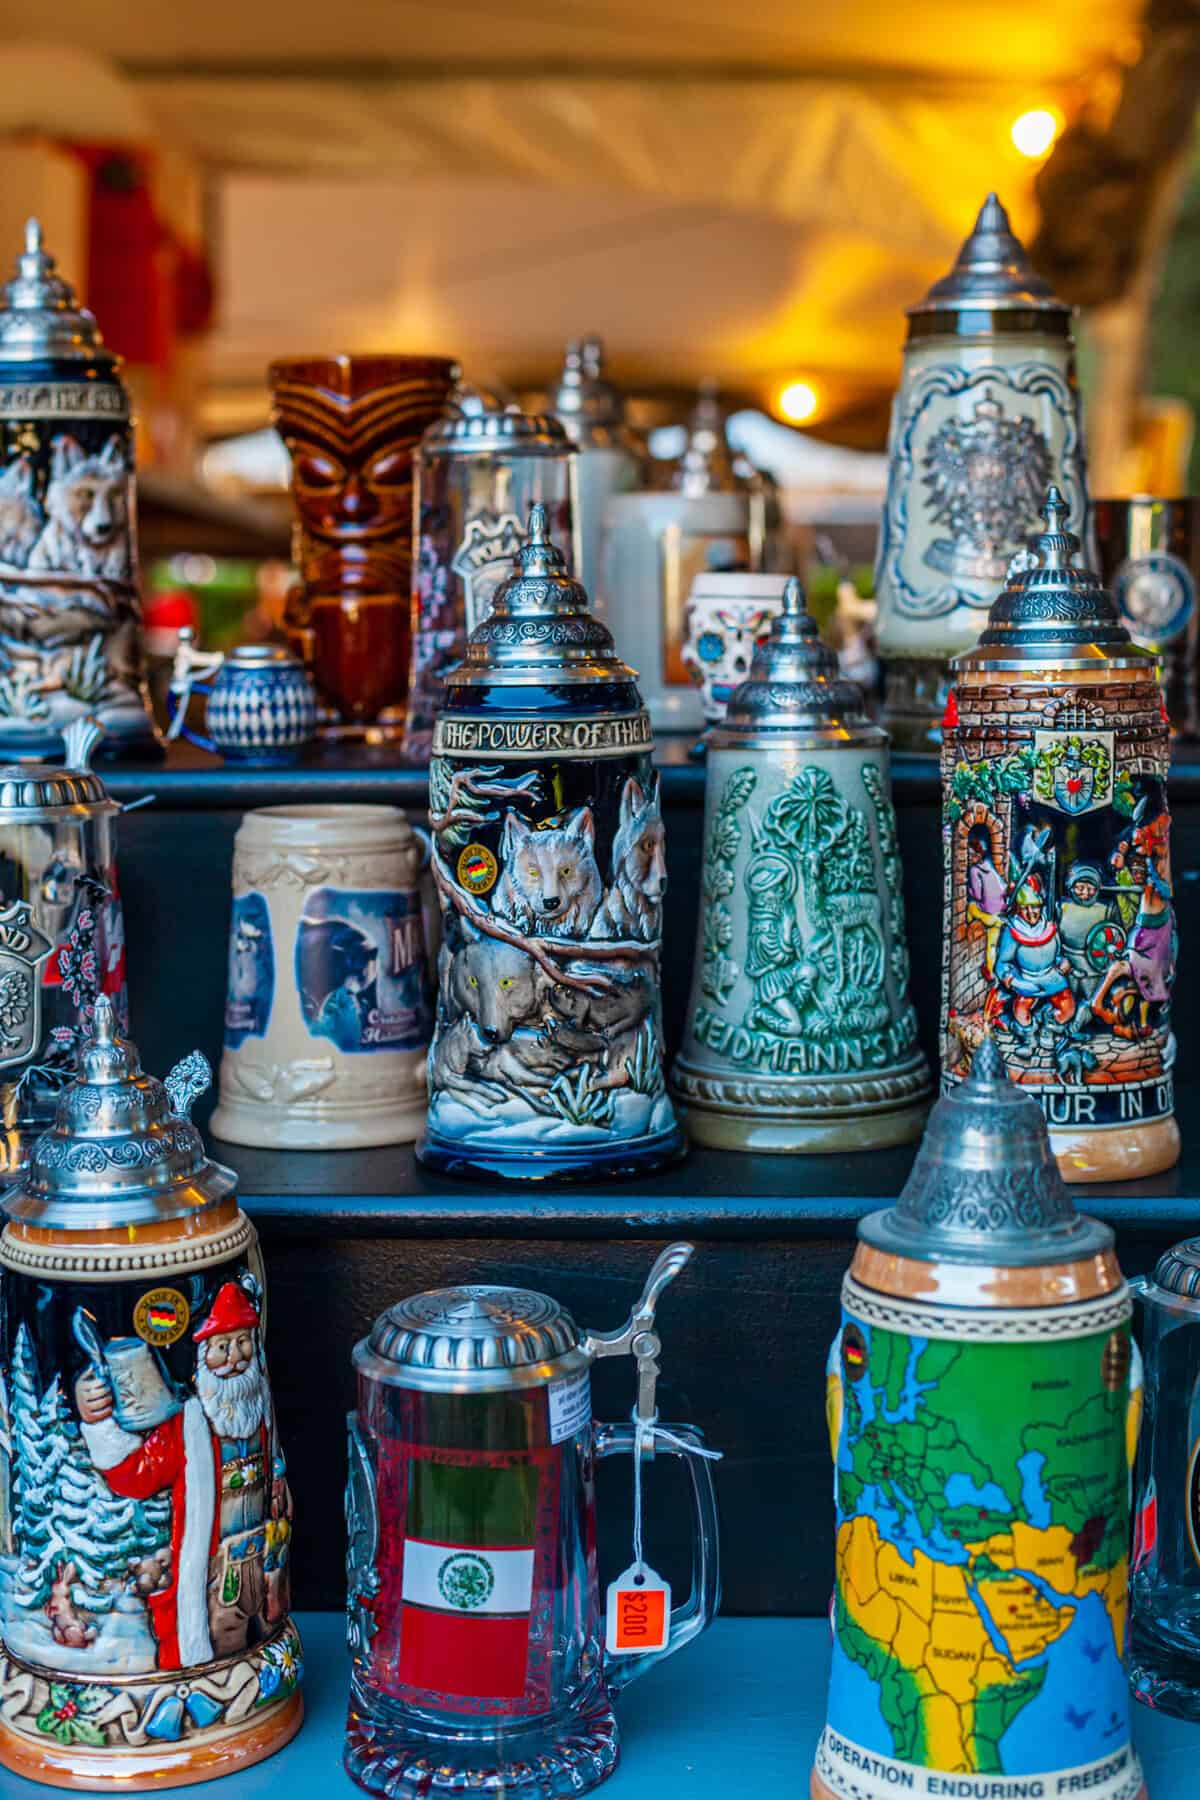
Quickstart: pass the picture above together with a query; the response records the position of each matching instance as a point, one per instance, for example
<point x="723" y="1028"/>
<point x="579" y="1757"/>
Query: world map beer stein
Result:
<point x="145" y="1517"/>
<point x="983" y="1399"/>
<point x="480" y="1658"/>
<point x="987" y="413"/>
<point x="800" y="1034"/>
<point x="549" y="859"/>
<point x="1059" y="930"/>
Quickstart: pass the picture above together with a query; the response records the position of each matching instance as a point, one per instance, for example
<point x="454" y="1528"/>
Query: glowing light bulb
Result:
<point x="1034" y="132"/>
<point x="798" y="401"/>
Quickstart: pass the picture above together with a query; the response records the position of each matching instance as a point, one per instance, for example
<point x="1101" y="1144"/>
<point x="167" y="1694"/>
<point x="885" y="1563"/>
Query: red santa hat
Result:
<point x="230" y="1311"/>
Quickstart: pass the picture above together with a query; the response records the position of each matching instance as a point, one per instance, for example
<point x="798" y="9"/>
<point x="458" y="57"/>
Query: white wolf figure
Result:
<point x="87" y="526"/>
<point x="551" y="883"/>
<point x="20" y="514"/>
<point x="633" y="904"/>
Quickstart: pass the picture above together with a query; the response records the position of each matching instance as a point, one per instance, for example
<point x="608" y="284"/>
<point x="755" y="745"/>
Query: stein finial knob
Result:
<point x="33" y="237"/>
<point x="104" y="1021"/>
<point x="538" y="531"/>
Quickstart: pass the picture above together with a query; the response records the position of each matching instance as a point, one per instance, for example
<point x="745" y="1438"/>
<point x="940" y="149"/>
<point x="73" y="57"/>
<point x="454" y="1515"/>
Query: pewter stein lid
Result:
<point x="587" y="403"/>
<point x="122" y="1149"/>
<point x="1051" y="609"/>
<point x="795" y="686"/>
<point x="540" y="629"/>
<point x="993" y="273"/>
<point x="33" y="793"/>
<point x="472" y="1339"/>
<point x="40" y="318"/>
<point x="477" y="422"/>
<point x="1177" y="1272"/>
<point x="985" y="1188"/>
<point x="707" y="465"/>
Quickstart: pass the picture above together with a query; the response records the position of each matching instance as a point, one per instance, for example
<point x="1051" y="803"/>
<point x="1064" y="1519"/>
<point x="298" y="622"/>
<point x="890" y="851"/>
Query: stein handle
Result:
<point x="687" y="1622"/>
<point x="189" y="663"/>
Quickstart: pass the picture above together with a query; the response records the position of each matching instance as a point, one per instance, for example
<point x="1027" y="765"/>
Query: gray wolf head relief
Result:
<point x="551" y="882"/>
<point x="633" y="904"/>
<point x="87" y="512"/>
<point x="20" y="515"/>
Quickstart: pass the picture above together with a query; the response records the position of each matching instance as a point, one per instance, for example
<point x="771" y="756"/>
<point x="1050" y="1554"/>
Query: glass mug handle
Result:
<point x="177" y="705"/>
<point x="687" y="1622"/>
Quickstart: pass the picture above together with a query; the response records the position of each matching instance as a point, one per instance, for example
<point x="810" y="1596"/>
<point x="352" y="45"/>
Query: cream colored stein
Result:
<point x="328" y="1013"/>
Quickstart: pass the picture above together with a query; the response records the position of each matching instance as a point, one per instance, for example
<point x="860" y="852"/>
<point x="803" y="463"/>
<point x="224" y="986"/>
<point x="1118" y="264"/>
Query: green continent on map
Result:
<point x="982" y="1500"/>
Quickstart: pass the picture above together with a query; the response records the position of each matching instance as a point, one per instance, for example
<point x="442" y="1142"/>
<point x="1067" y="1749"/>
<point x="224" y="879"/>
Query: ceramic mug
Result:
<point x="727" y="615"/>
<point x="261" y="706"/>
<point x="328" y="1012"/>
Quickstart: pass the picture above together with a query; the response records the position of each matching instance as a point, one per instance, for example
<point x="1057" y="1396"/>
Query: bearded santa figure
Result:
<point x="230" y="1507"/>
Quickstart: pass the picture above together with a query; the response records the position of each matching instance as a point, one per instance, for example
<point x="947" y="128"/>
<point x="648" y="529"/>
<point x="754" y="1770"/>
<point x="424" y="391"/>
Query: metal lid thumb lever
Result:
<point x="637" y="1336"/>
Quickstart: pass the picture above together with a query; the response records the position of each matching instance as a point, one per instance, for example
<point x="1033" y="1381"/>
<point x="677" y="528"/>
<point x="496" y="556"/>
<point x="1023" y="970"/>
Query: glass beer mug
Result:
<point x="476" y="1626"/>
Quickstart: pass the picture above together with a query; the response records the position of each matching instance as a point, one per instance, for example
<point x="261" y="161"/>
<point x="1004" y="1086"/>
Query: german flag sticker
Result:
<point x="854" y="1352"/>
<point x="477" y="869"/>
<point x="161" y="1317"/>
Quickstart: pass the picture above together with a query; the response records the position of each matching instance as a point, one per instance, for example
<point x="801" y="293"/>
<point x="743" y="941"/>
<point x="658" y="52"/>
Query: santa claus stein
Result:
<point x="484" y="1658"/>
<point x="145" y="1517"/>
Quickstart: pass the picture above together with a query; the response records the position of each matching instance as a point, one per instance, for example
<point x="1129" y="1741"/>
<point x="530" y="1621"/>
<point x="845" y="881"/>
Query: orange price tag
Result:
<point x="639" y="1612"/>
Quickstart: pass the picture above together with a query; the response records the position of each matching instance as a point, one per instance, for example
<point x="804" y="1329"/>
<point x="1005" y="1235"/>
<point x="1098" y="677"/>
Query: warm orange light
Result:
<point x="1034" y="132"/>
<point x="798" y="401"/>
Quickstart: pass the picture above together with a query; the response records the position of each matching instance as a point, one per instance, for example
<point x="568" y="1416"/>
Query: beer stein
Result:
<point x="328" y="1011"/>
<point x="987" y="413"/>
<point x="612" y="458"/>
<point x="550" y="861"/>
<point x="261" y="709"/>
<point x="479" y="469"/>
<point x="1060" y="934"/>
<point x="1149" y="559"/>
<point x="480" y="1657"/>
<point x="983" y="1395"/>
<point x="727" y="617"/>
<point x="70" y="604"/>
<point x="144" y="1629"/>
<point x="62" y="936"/>
<point x="800" y="1032"/>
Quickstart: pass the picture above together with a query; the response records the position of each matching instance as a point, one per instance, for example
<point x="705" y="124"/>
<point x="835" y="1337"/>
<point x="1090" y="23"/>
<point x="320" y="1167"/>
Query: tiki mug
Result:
<point x="983" y="1395"/>
<point x="612" y="458"/>
<point x="261" y="711"/>
<point x="480" y="1659"/>
<point x="144" y="1563"/>
<point x="329" y="1007"/>
<point x="1060" y="932"/>
<point x="726" y="618"/>
<point x="352" y="424"/>
<point x="800" y="1032"/>
<point x="62" y="935"/>
<point x="1149" y="552"/>
<point x="549" y="857"/>
<point x="987" y="413"/>
<point x="479" y="469"/>
<point x="70" y="606"/>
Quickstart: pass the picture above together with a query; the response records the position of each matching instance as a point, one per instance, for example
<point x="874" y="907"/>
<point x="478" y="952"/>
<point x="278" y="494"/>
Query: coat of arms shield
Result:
<point x="1073" y="770"/>
<point x="23" y="950"/>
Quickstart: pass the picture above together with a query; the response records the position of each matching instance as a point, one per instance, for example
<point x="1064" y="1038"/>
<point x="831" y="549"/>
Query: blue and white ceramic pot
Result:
<point x="261" y="706"/>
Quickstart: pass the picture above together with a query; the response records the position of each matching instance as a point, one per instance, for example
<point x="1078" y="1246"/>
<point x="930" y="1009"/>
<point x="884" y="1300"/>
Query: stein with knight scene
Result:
<point x="484" y="1658"/>
<point x="145" y="1515"/>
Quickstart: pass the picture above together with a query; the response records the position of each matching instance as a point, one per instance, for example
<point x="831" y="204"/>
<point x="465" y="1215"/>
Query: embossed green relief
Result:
<point x="718" y="972"/>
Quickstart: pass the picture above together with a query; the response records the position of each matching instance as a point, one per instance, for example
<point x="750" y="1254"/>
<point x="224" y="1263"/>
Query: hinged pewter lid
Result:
<point x="706" y="466"/>
<point x="992" y="273"/>
<point x="539" y="629"/>
<point x="34" y="792"/>
<point x="985" y="1188"/>
<point x="473" y="1339"/>
<point x="1051" y="609"/>
<point x="477" y="422"/>
<point x="122" y="1149"/>
<point x="795" y="685"/>
<point x="586" y="402"/>
<point x="40" y="318"/>
<point x="1177" y="1272"/>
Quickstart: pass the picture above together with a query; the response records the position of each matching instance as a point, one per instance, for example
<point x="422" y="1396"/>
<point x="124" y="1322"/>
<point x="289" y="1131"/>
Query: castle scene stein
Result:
<point x="70" y="606"/>
<point x="986" y="415"/>
<point x="1059" y="927"/>
<point x="261" y="710"/>
<point x="146" y="1516"/>
<point x="549" y="857"/>
<point x="481" y="1660"/>
<point x="328" y="1011"/>
<point x="728" y="615"/>
<point x="800" y="1032"/>
<point x="983" y="1397"/>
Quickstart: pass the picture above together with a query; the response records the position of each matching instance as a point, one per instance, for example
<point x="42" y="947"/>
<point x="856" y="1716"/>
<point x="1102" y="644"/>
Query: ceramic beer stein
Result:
<point x="479" y="469"/>
<point x="800" y="1031"/>
<point x="1149" y="559"/>
<point x="328" y="1012"/>
<point x="612" y="458"/>
<point x="987" y="413"/>
<point x="983" y="1396"/>
<point x="144" y="1571"/>
<point x="261" y="709"/>
<point x="549" y="858"/>
<point x="727" y="617"/>
<point x="480" y="1658"/>
<point x="70" y="605"/>
<point x="1060" y="932"/>
<point x="62" y="935"/>
<point x="351" y="425"/>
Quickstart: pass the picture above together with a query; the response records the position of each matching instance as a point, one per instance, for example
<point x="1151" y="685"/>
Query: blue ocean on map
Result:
<point x="854" y="1705"/>
<point x="1083" y="1708"/>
